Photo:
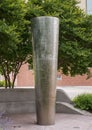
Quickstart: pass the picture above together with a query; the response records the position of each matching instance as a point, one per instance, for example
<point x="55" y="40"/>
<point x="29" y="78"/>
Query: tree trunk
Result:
<point x="14" y="78"/>
<point x="6" y="84"/>
<point x="45" y="45"/>
<point x="5" y="76"/>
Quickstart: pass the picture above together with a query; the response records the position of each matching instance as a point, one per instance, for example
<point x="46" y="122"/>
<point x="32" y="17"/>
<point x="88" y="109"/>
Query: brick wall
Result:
<point x="26" y="78"/>
<point x="74" y="81"/>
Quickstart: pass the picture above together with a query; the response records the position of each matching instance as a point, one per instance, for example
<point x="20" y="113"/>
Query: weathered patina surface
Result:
<point x="45" y="49"/>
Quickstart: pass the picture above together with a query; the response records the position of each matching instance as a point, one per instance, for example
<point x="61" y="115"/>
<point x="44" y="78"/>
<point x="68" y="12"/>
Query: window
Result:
<point x="30" y="67"/>
<point x="89" y="6"/>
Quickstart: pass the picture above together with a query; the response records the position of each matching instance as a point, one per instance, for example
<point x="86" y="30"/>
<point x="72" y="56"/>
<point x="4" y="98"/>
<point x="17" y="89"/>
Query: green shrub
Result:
<point x="2" y="83"/>
<point x="83" y="101"/>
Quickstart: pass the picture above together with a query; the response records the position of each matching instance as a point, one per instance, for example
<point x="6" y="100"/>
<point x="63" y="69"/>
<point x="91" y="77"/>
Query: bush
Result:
<point x="2" y="83"/>
<point x="84" y="102"/>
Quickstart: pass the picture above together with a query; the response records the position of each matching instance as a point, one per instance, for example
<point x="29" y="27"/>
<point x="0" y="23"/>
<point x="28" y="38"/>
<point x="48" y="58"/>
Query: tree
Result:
<point x="75" y="49"/>
<point x="75" y="46"/>
<point x="15" y="44"/>
<point x="75" y="52"/>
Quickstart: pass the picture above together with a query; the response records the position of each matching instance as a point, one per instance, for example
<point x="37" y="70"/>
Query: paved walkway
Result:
<point x="63" y="122"/>
<point x="76" y="90"/>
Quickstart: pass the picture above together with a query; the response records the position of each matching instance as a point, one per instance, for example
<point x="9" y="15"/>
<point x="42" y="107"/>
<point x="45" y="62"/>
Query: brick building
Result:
<point x="26" y="78"/>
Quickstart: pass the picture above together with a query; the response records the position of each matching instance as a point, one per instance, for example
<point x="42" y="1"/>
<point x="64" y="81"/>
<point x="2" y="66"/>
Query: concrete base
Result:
<point x="15" y="101"/>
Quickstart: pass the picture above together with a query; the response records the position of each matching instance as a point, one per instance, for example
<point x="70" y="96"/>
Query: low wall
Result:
<point x="22" y="100"/>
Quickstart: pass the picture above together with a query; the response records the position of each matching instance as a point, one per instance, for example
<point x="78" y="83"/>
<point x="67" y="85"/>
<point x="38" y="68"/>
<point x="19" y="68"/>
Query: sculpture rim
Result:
<point x="50" y="17"/>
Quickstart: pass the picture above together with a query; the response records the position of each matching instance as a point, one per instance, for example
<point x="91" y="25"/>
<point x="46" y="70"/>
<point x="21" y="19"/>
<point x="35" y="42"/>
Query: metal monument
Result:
<point x="45" y="32"/>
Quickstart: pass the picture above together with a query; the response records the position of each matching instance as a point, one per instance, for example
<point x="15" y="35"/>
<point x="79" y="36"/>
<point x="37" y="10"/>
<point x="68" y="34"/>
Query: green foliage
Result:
<point x="2" y="83"/>
<point x="15" y="40"/>
<point x="75" y="39"/>
<point x="83" y="101"/>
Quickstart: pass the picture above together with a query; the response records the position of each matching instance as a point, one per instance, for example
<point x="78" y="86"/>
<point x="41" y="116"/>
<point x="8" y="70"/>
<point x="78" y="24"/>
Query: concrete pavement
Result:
<point x="73" y="91"/>
<point x="63" y="122"/>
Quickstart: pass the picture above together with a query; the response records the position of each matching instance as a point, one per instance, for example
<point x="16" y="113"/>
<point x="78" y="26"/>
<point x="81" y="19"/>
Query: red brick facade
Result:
<point x="26" y="78"/>
<point x="75" y="81"/>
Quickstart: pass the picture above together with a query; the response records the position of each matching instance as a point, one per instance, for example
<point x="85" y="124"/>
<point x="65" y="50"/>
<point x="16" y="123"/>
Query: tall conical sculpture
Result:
<point x="45" y="31"/>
